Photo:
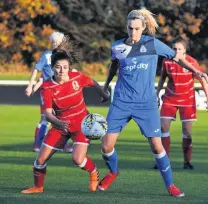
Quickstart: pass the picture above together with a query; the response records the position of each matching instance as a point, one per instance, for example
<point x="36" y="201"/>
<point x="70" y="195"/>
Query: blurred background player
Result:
<point x="135" y="97"/>
<point x="179" y="95"/>
<point x="44" y="66"/>
<point x="63" y="94"/>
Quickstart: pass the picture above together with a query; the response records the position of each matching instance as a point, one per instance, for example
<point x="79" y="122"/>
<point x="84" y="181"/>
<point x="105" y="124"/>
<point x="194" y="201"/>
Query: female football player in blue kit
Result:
<point x="135" y="96"/>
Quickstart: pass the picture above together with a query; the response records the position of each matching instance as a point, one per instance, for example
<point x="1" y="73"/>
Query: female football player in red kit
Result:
<point x="179" y="95"/>
<point x="63" y="94"/>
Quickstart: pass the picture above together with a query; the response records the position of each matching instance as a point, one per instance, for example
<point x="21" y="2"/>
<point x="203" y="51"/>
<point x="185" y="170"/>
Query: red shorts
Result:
<point x="187" y="113"/>
<point x="57" y="139"/>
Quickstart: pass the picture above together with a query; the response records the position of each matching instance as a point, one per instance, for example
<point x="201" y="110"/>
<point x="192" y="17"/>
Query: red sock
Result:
<point x="187" y="149"/>
<point x="89" y="165"/>
<point x="39" y="175"/>
<point x="166" y="144"/>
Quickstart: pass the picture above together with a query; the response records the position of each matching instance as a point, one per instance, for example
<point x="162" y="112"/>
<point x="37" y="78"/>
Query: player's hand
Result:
<point x="28" y="91"/>
<point x="106" y="95"/>
<point x="63" y="125"/>
<point x="158" y="101"/>
<point x="202" y="75"/>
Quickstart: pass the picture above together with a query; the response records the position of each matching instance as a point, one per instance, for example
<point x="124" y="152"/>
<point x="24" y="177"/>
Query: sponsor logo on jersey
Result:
<point x="135" y="65"/>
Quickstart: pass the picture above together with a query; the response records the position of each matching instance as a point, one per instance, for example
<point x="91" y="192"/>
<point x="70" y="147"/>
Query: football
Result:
<point x="94" y="126"/>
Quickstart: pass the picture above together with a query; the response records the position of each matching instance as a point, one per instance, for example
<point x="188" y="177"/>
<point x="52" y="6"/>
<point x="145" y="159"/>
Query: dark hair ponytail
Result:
<point x="184" y="42"/>
<point x="68" y="50"/>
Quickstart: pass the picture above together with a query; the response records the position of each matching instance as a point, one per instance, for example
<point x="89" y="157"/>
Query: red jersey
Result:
<point x="180" y="87"/>
<point x="67" y="99"/>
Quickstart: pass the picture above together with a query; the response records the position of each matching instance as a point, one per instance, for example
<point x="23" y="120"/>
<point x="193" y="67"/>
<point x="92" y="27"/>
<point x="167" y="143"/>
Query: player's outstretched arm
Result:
<point x="111" y="73"/>
<point x="185" y="64"/>
<point x="161" y="82"/>
<point x="162" y="79"/>
<point x="205" y="88"/>
<point x="29" y="89"/>
<point x="105" y="95"/>
<point x="37" y="85"/>
<point x="63" y="125"/>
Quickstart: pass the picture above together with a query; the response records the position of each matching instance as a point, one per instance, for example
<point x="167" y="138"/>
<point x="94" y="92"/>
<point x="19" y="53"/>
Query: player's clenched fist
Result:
<point x="28" y="91"/>
<point x="63" y="125"/>
<point x="202" y="75"/>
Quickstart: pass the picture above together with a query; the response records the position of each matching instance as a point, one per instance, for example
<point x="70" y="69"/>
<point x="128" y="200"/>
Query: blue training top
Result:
<point x="44" y="65"/>
<point x="137" y="68"/>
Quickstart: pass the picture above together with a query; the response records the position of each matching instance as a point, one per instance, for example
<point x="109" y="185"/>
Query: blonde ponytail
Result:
<point x="146" y="17"/>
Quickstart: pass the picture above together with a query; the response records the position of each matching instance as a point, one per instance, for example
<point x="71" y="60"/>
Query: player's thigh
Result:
<point x="187" y="114"/>
<point x="44" y="155"/>
<point x="168" y="112"/>
<point x="55" y="139"/>
<point x="80" y="147"/>
<point x="148" y="121"/>
<point x="119" y="115"/>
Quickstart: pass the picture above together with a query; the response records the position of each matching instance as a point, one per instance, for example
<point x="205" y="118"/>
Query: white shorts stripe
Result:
<point x="171" y="118"/>
<point x="188" y="120"/>
<point x="82" y="143"/>
<point x="57" y="149"/>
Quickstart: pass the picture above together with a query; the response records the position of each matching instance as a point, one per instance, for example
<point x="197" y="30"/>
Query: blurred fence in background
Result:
<point x="13" y="92"/>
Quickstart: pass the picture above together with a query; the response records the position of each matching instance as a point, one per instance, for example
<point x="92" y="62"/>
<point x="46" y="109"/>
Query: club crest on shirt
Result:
<point x="75" y="85"/>
<point x="143" y="49"/>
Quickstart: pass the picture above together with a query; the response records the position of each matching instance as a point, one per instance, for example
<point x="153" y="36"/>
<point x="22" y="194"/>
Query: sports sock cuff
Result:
<point x="161" y="155"/>
<point x="165" y="134"/>
<point x="39" y="166"/>
<point x="83" y="163"/>
<point x="108" y="154"/>
<point x="185" y="136"/>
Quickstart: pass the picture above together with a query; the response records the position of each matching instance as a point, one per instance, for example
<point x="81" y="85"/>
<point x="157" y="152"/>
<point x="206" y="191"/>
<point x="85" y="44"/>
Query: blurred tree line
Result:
<point x="26" y="26"/>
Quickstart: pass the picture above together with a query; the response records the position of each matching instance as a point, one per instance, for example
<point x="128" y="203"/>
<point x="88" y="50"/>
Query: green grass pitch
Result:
<point x="137" y="183"/>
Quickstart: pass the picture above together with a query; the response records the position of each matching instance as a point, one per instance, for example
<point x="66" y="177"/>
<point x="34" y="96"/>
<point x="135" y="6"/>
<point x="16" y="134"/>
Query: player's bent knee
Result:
<point x="39" y="165"/>
<point x="164" y="128"/>
<point x="107" y="148"/>
<point x="40" y="161"/>
<point x="78" y="160"/>
<point x="158" y="151"/>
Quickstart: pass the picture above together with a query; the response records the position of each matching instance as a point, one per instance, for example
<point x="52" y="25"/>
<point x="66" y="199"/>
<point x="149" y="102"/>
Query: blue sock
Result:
<point x="164" y="166"/>
<point x="41" y="133"/>
<point x="111" y="160"/>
